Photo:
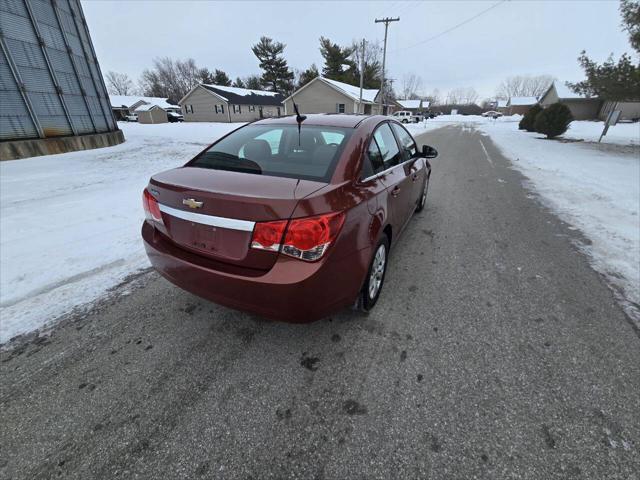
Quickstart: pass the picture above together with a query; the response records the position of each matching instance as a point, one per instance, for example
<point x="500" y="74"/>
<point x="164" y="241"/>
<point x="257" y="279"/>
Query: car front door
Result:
<point x="414" y="167"/>
<point x="394" y="177"/>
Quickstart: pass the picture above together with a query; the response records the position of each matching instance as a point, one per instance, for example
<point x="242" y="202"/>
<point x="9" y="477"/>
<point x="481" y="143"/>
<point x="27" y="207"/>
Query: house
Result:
<point x="123" y="105"/>
<point x="581" y="106"/>
<point x="413" y="106"/>
<point x="628" y="110"/>
<point x="149" y="113"/>
<point x="217" y="103"/>
<point x="502" y="106"/>
<point x="323" y="95"/>
<point x="520" y="105"/>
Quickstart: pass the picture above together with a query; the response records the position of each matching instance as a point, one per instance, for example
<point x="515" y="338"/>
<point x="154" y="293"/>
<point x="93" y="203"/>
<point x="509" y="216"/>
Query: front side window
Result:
<point x="388" y="147"/>
<point x="278" y="150"/>
<point x="408" y="145"/>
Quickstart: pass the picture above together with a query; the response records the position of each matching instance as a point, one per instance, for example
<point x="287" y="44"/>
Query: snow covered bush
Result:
<point x="553" y="120"/>
<point x="529" y="118"/>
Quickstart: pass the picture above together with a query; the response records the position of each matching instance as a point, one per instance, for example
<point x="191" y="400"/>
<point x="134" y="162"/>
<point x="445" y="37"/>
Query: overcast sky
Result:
<point x="515" y="37"/>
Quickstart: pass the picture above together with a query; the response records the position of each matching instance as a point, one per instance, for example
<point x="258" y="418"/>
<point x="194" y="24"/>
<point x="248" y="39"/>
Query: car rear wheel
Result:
<point x="375" y="276"/>
<point x="404" y="120"/>
<point x="422" y="201"/>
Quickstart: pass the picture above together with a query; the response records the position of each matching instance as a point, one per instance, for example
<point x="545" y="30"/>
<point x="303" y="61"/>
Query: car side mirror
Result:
<point x="429" y="152"/>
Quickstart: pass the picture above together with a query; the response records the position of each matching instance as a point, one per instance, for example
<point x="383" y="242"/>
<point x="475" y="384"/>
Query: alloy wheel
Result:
<point x="377" y="271"/>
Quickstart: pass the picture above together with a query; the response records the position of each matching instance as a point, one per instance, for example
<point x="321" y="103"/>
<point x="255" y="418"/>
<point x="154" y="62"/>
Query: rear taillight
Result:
<point x="268" y="235"/>
<point x="151" y="206"/>
<point x="305" y="238"/>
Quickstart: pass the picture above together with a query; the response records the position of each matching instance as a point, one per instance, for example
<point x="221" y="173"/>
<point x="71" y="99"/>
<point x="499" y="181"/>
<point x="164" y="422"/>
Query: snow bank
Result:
<point x="70" y="223"/>
<point x="621" y="134"/>
<point x="596" y="190"/>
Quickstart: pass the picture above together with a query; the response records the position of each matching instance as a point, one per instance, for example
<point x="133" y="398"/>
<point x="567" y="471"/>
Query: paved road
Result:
<point x="495" y="352"/>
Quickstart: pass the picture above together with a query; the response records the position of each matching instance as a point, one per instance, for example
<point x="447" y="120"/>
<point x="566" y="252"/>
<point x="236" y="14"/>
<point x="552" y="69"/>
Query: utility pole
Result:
<point x="386" y="22"/>
<point x="361" y="76"/>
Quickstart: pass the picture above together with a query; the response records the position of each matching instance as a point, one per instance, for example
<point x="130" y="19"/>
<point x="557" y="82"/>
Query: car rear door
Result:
<point x="394" y="177"/>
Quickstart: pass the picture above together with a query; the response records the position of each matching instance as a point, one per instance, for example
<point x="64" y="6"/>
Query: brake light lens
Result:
<point x="151" y="207"/>
<point x="305" y="238"/>
<point x="309" y="238"/>
<point x="268" y="235"/>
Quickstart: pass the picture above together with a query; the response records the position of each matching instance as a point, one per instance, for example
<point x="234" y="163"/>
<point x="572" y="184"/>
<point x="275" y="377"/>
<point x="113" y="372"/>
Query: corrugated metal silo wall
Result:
<point x="50" y="80"/>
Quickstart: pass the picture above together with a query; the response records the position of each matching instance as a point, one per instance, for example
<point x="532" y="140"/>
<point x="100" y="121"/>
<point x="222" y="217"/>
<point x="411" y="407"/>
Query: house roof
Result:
<point x="565" y="93"/>
<point x="515" y="101"/>
<point x="147" y="107"/>
<point x="502" y="103"/>
<point x="412" y="103"/>
<point x="118" y="101"/>
<point x="368" y="95"/>
<point x="243" y="96"/>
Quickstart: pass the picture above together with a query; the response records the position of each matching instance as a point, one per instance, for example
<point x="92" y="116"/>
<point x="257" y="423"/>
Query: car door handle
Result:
<point x="395" y="192"/>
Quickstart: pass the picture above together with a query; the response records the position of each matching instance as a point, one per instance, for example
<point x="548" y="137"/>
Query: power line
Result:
<point x="422" y="42"/>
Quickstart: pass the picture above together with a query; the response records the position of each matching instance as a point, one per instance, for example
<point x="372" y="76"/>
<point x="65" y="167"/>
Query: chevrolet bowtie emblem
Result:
<point x="192" y="203"/>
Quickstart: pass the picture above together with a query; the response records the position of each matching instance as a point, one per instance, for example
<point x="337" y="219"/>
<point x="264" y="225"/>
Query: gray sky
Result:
<point x="516" y="37"/>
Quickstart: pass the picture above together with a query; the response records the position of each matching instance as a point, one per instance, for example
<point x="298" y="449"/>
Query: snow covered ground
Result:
<point x="69" y="223"/>
<point x="620" y="134"/>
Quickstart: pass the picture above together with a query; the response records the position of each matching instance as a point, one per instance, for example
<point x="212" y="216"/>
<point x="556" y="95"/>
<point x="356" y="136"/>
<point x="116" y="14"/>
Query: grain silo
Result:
<point x="52" y="95"/>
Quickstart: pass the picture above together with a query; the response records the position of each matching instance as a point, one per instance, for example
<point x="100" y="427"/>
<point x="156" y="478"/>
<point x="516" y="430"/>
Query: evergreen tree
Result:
<point x="238" y="83"/>
<point x="276" y="75"/>
<point x="553" y="120"/>
<point x="529" y="118"/>
<point x="613" y="80"/>
<point x="338" y="62"/>
<point x="372" y="64"/>
<point x="205" y="75"/>
<point x="221" y="78"/>
<point x="252" y="82"/>
<point x="308" y="75"/>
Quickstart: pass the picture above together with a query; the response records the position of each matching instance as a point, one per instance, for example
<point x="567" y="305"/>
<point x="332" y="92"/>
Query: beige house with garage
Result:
<point x="323" y="95"/>
<point x="151" y="114"/>
<point x="520" y="105"/>
<point x="217" y="103"/>
<point x="581" y="106"/>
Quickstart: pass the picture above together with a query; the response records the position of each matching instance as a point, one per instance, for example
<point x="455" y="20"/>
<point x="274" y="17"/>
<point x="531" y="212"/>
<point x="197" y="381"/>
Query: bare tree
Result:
<point x="372" y="63"/>
<point x="119" y="84"/>
<point x="411" y="84"/>
<point x="170" y="78"/>
<point x="462" y="96"/>
<point x="524" y="86"/>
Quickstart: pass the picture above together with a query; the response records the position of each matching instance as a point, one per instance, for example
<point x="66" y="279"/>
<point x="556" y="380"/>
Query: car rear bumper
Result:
<point x="292" y="290"/>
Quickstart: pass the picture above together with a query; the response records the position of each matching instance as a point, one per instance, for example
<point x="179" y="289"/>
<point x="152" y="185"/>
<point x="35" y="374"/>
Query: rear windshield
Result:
<point x="278" y="150"/>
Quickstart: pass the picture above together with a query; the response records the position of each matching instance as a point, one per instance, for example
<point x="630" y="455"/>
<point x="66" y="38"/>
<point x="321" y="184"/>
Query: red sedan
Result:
<point x="290" y="218"/>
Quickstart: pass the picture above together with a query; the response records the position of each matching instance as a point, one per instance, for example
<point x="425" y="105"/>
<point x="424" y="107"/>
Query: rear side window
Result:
<point x="372" y="163"/>
<point x="389" y="150"/>
<point x="278" y="150"/>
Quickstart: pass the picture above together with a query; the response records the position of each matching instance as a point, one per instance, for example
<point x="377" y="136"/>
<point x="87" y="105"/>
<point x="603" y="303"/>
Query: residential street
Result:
<point x="495" y="352"/>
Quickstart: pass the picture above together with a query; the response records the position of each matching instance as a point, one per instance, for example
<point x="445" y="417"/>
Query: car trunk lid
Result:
<point x="212" y="212"/>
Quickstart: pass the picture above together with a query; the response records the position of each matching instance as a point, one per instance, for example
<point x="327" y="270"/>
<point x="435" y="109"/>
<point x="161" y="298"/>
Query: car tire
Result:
<point x="375" y="276"/>
<point x="422" y="201"/>
<point x="404" y="120"/>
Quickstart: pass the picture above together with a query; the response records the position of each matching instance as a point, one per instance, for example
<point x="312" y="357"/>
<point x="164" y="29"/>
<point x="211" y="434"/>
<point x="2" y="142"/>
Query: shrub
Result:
<point x="529" y="118"/>
<point x="553" y="120"/>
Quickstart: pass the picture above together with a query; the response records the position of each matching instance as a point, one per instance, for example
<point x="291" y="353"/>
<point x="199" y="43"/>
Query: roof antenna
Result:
<point x="299" y="119"/>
